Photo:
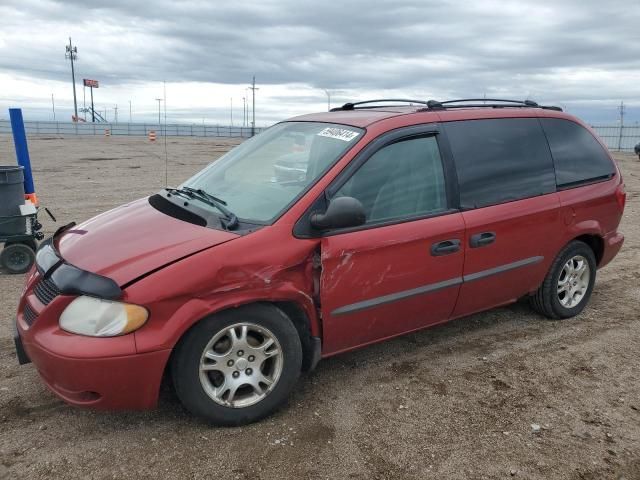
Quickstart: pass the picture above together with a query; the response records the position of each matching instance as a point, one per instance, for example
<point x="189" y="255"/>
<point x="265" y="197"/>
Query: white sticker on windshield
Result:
<point x="339" y="133"/>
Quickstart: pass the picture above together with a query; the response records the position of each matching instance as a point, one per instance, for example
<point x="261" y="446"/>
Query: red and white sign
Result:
<point x="90" y="83"/>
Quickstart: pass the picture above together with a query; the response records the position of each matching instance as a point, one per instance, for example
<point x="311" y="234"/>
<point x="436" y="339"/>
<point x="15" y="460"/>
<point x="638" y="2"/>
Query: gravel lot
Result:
<point x="455" y="402"/>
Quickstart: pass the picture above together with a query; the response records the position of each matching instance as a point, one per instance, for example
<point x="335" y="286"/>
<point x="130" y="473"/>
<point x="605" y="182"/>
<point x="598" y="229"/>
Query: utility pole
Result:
<point x="53" y="106"/>
<point x="622" y="109"/>
<point x="129" y="111"/>
<point x="328" y="99"/>
<point x="72" y="54"/>
<point x="253" y="105"/>
<point x="116" y="114"/>
<point x="159" y="100"/>
<point x="244" y="111"/>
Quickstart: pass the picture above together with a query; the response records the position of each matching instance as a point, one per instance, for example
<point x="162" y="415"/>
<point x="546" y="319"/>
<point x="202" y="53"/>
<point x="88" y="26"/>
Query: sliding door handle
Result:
<point x="482" y="239"/>
<point x="445" y="247"/>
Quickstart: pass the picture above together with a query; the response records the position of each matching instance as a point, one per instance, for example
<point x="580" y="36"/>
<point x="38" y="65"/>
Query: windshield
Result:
<point x="258" y="179"/>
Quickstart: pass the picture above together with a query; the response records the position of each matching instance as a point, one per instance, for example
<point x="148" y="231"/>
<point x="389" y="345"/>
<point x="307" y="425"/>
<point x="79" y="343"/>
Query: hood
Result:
<point x="131" y="240"/>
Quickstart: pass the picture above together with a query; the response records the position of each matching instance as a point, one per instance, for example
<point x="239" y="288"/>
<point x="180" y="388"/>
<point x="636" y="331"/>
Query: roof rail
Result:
<point x="437" y="105"/>
<point x="353" y="105"/>
<point x="488" y="103"/>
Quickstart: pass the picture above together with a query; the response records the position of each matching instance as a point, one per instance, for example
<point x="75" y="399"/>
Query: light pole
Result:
<point x="129" y="111"/>
<point x="53" y="106"/>
<point x="159" y="100"/>
<point x="253" y="106"/>
<point x="72" y="54"/>
<point x="244" y="111"/>
<point x="328" y="98"/>
<point x="231" y="110"/>
<point x="116" y="114"/>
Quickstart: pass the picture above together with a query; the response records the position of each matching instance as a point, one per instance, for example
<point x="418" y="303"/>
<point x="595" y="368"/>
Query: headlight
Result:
<point x="102" y="318"/>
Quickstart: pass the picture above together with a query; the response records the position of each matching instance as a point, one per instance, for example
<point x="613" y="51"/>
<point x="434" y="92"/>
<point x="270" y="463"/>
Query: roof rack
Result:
<point x="461" y="103"/>
<point x="353" y="105"/>
<point x="487" y="103"/>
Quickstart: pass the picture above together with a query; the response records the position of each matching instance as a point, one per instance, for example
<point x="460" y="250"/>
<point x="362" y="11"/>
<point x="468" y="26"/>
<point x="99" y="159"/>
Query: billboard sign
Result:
<point x="90" y="83"/>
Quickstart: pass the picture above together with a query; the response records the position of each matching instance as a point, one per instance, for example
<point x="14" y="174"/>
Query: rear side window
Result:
<point x="578" y="156"/>
<point x="500" y="160"/>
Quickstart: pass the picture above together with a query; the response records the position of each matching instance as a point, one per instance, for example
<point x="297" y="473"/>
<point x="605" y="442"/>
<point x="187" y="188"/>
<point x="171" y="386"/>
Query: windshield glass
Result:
<point x="258" y="179"/>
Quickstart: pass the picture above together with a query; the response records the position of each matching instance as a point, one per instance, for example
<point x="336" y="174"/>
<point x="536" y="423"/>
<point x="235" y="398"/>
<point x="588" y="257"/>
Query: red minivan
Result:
<point x="325" y="233"/>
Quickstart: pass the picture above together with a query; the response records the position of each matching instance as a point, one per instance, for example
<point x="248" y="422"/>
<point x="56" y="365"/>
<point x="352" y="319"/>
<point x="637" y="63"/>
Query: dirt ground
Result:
<point x="453" y="402"/>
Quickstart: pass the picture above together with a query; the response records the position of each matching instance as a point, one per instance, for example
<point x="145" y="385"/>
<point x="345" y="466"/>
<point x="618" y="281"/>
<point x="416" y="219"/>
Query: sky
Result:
<point x="583" y="55"/>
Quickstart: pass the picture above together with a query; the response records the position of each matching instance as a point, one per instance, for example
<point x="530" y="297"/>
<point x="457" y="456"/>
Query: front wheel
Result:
<point x="568" y="285"/>
<point x="238" y="366"/>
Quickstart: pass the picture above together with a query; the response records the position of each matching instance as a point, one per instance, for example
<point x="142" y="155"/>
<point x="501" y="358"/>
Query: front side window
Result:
<point x="577" y="155"/>
<point x="500" y="160"/>
<point x="404" y="179"/>
<point x="258" y="179"/>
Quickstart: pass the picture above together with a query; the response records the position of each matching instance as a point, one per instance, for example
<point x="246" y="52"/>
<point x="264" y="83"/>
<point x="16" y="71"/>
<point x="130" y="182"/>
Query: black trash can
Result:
<point x="11" y="197"/>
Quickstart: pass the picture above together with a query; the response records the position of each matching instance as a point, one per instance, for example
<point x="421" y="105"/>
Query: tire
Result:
<point x="206" y="384"/>
<point x="565" y="291"/>
<point x="30" y="243"/>
<point x="17" y="258"/>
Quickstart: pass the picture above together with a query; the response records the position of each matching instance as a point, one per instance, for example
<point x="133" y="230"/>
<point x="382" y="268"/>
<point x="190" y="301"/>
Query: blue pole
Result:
<point x="22" y="152"/>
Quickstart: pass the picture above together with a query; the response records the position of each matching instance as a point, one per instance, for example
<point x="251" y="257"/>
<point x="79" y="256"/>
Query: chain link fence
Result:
<point x="133" y="129"/>
<point x="619" y="138"/>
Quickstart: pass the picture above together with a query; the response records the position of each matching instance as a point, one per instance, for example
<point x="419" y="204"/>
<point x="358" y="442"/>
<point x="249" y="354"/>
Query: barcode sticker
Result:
<point x="339" y="134"/>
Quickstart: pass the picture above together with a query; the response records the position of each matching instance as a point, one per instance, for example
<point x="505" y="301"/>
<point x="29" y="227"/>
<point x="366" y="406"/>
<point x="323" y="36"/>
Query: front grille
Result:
<point x="29" y="315"/>
<point x="45" y="290"/>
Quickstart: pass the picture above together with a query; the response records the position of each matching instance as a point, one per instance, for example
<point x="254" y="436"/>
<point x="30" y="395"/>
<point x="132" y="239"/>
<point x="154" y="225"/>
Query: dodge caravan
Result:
<point x="401" y="215"/>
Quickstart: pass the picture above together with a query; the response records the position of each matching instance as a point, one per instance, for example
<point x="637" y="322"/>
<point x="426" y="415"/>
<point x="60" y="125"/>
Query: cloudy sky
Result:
<point x="581" y="54"/>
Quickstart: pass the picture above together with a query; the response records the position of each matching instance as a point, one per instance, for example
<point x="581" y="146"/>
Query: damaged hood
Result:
<point x="130" y="241"/>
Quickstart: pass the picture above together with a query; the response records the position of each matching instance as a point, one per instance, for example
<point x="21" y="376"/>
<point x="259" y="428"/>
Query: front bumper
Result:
<point x="23" y="358"/>
<point x="102" y="373"/>
<point x="115" y="383"/>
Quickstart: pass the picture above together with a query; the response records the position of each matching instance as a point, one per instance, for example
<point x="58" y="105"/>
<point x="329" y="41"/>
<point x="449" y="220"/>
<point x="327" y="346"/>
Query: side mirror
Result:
<point x="342" y="212"/>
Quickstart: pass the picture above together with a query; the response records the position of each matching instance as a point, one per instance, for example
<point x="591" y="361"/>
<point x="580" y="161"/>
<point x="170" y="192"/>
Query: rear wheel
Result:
<point x="17" y="257"/>
<point x="568" y="285"/>
<point x="238" y="366"/>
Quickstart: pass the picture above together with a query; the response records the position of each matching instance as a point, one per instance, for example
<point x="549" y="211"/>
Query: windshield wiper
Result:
<point x="231" y="220"/>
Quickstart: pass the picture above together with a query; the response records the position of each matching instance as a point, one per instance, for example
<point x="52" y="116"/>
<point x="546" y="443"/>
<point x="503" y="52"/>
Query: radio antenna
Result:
<point x="166" y="155"/>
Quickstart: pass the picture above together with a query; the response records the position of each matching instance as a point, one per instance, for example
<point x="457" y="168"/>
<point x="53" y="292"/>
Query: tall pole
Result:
<point x="328" y="98"/>
<point x="72" y="54"/>
<point x="159" y="100"/>
<point x="231" y="111"/>
<point x="129" y="111"/>
<point x="244" y="111"/>
<point x="53" y="107"/>
<point x="253" y="105"/>
<point x="93" y="112"/>
<point x="84" y="101"/>
<point x="621" y="108"/>
<point x="116" y="114"/>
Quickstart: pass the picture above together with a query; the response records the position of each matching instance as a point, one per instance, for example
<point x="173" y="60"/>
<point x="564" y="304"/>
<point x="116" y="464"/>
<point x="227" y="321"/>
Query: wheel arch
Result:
<point x="311" y="345"/>
<point x="595" y="242"/>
